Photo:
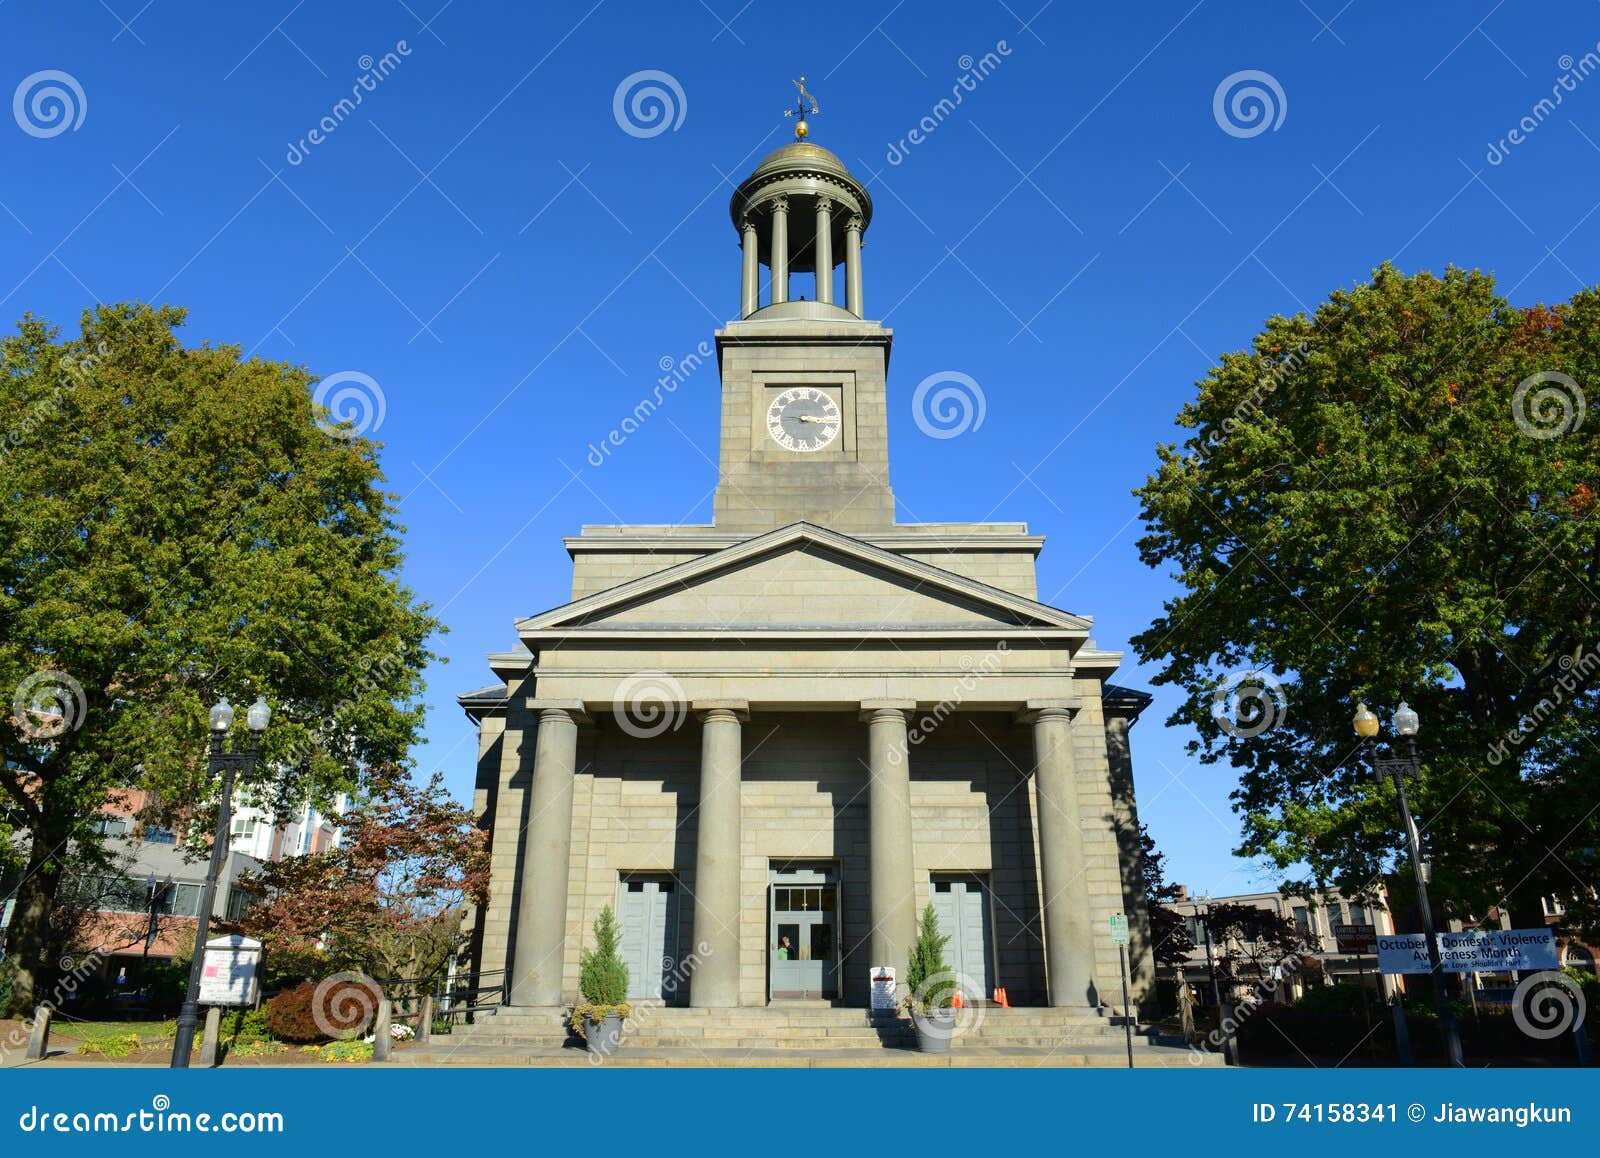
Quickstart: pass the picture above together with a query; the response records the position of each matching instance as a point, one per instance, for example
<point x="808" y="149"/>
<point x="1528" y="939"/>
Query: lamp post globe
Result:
<point x="258" y="715"/>
<point x="1365" y="723"/>
<point x="1405" y="720"/>
<point x="221" y="715"/>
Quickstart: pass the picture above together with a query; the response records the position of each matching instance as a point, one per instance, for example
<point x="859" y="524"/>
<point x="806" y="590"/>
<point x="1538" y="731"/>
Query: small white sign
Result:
<point x="1497" y="950"/>
<point x="1119" y="929"/>
<point x="1403" y="953"/>
<point x="883" y="979"/>
<point x="231" y="974"/>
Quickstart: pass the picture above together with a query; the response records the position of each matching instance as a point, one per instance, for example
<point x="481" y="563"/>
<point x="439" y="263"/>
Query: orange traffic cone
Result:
<point x="1000" y="999"/>
<point x="958" y="1000"/>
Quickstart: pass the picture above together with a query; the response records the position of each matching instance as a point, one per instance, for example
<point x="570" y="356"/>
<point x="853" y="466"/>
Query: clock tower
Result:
<point x="766" y="744"/>
<point x="804" y="421"/>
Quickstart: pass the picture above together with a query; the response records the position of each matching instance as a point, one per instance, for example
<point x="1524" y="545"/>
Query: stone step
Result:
<point x="1148" y="1057"/>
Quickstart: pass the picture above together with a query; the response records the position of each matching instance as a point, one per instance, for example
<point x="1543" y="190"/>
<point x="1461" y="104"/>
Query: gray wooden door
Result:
<point x="962" y="906"/>
<point x="648" y="913"/>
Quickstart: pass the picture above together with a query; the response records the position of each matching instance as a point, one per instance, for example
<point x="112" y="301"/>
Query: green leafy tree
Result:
<point x="931" y="982"/>
<point x="1393" y="499"/>
<point x="181" y="523"/>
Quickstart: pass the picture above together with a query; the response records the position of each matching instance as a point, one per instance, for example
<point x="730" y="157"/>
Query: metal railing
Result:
<point x="440" y="999"/>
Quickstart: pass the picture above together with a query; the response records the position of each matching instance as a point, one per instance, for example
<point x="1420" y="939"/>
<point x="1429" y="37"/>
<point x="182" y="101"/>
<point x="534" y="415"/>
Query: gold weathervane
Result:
<point x="801" y="128"/>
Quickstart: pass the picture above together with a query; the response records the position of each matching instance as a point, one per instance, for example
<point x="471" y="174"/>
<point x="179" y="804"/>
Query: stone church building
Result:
<point x="770" y="741"/>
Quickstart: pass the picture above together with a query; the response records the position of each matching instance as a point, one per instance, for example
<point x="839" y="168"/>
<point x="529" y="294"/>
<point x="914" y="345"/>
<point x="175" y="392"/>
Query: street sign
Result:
<point x="1356" y="938"/>
<point x="1497" y="950"/>
<point x="231" y="974"/>
<point x="1119" y="929"/>
<point x="1404" y="953"/>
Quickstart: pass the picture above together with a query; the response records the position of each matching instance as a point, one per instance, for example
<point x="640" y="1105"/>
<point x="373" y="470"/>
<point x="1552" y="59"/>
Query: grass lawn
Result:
<point x="150" y="1043"/>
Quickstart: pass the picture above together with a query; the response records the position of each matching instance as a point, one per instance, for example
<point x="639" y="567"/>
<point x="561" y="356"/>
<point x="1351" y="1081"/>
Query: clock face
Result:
<point x="803" y="418"/>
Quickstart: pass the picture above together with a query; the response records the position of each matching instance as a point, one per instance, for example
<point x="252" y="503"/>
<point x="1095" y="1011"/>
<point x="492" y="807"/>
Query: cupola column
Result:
<point x="750" y="297"/>
<point x="852" y="266"/>
<point x="780" y="250"/>
<point x="823" y="250"/>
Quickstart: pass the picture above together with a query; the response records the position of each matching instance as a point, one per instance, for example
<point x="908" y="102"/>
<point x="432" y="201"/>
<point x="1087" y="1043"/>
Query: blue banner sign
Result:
<point x="1497" y="950"/>
<point x="1473" y="951"/>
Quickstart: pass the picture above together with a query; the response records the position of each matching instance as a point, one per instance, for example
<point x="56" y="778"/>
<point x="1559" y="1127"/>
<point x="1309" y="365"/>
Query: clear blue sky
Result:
<point x="1080" y="236"/>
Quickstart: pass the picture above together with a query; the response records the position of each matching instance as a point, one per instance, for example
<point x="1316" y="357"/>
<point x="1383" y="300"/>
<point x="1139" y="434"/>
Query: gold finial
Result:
<point x="801" y="128"/>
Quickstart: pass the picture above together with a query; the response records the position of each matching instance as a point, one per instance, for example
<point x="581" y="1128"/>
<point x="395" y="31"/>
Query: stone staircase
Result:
<point x="800" y="1033"/>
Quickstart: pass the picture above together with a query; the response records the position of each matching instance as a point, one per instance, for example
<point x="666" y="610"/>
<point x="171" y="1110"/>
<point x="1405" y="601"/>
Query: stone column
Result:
<point x="1068" y="939"/>
<point x="750" y="296"/>
<point x="852" y="267"/>
<point x="892" y="886"/>
<point x="822" y="252"/>
<point x="780" y="250"/>
<point x="718" y="853"/>
<point x="1130" y="856"/>
<point x="541" y="946"/>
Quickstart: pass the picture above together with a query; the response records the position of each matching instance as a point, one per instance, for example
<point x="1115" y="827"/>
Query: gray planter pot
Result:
<point x="605" y="1036"/>
<point x="935" y="1030"/>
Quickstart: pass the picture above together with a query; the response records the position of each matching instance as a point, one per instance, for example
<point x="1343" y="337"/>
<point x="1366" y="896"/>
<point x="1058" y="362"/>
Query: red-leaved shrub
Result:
<point x="340" y="1007"/>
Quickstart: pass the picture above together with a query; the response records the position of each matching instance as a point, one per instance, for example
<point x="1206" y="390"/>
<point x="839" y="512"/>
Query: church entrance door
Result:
<point x="803" y="919"/>
<point x="648" y="917"/>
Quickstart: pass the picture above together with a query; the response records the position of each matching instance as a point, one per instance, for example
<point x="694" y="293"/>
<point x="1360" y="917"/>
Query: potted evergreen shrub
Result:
<point x="603" y="985"/>
<point x="931" y="987"/>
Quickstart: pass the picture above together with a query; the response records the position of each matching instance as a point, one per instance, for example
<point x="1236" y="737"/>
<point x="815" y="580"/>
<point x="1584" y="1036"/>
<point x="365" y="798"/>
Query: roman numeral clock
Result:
<point x="803" y="419"/>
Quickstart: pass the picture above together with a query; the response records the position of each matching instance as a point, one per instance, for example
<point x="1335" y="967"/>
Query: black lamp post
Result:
<point x="1409" y="767"/>
<point x="1216" y="990"/>
<point x="229" y="765"/>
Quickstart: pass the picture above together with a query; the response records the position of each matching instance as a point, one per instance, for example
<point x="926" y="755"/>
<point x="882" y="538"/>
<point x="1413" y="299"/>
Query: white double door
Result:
<point x="647" y="911"/>
<point x="961" y="904"/>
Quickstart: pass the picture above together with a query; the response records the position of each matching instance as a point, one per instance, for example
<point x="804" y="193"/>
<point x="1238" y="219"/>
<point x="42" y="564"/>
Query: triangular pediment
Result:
<point x="803" y="578"/>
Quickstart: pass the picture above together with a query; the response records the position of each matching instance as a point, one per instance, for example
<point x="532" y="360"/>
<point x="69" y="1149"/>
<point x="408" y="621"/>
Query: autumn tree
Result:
<point x="1394" y="499"/>
<point x="1169" y="930"/>
<point x="1255" y="946"/>
<point x="181" y="523"/>
<point x="390" y="898"/>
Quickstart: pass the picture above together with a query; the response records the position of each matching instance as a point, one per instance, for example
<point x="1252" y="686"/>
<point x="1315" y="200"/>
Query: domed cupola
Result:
<point x="801" y="211"/>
